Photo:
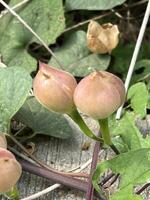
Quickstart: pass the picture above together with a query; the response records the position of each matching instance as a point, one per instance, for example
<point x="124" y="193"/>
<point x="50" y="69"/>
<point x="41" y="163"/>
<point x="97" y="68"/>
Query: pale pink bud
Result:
<point x="99" y="94"/>
<point x="54" y="89"/>
<point x="10" y="170"/>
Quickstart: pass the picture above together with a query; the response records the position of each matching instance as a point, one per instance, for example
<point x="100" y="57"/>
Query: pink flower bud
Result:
<point x="99" y="94"/>
<point x="10" y="170"/>
<point x="54" y="89"/>
<point x="5" y="153"/>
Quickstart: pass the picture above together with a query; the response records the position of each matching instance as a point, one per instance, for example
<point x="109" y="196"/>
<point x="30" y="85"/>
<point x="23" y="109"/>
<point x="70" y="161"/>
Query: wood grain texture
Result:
<point x="64" y="155"/>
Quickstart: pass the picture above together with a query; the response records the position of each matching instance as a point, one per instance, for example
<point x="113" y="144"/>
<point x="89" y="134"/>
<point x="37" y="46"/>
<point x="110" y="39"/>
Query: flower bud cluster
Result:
<point x="97" y="95"/>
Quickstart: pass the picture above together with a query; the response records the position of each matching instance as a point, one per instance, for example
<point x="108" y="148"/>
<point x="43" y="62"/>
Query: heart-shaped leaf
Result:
<point x="122" y="58"/>
<point x="42" y="121"/>
<point x="15" y="84"/>
<point x="92" y="5"/>
<point x="76" y="57"/>
<point x="45" y="17"/>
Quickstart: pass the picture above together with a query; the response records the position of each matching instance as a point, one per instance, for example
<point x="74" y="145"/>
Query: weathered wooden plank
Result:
<point x="64" y="155"/>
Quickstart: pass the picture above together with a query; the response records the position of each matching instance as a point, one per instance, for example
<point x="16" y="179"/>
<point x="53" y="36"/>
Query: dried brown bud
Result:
<point x="54" y="89"/>
<point x="99" y="94"/>
<point x="10" y="170"/>
<point x="102" y="38"/>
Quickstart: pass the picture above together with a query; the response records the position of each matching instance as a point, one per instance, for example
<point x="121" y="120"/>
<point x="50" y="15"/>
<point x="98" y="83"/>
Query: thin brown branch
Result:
<point x="104" y="15"/>
<point x="90" y="190"/>
<point x="56" y="185"/>
<point x="59" y="178"/>
<point x="17" y="6"/>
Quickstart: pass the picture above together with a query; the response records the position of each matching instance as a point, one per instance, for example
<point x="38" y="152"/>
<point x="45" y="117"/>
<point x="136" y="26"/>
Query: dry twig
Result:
<point x="20" y="4"/>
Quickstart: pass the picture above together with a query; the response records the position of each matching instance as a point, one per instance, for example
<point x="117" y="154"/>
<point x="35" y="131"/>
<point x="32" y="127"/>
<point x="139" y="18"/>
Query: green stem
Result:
<point x="13" y="194"/>
<point x="105" y="131"/>
<point x="104" y="128"/>
<point x="76" y="117"/>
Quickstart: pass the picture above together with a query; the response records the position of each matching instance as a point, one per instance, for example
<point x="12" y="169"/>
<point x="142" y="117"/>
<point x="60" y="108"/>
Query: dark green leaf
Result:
<point x="92" y="5"/>
<point x="42" y="121"/>
<point x="133" y="168"/>
<point x="15" y="84"/>
<point x="122" y="57"/>
<point x="46" y="19"/>
<point x="148" y="105"/>
<point x="138" y="95"/>
<point x="77" y="59"/>
<point x="142" y="71"/>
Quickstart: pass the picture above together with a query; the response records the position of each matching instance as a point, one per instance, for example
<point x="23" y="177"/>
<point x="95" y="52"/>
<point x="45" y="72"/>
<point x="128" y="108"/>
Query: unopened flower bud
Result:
<point x="102" y="38"/>
<point x="99" y="94"/>
<point x="54" y="89"/>
<point x="10" y="170"/>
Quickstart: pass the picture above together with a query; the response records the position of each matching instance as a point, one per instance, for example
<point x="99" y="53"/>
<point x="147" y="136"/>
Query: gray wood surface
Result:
<point x="64" y="155"/>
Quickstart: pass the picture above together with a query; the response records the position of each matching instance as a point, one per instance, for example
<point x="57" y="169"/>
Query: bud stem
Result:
<point x="76" y="117"/>
<point x="13" y="193"/>
<point x="105" y="131"/>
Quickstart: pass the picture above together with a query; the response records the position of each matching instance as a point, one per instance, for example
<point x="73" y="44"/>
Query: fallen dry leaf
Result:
<point x="86" y="145"/>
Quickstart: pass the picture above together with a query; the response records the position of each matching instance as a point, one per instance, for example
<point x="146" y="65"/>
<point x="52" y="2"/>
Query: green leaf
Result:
<point x="92" y="5"/>
<point x="126" y="129"/>
<point x="148" y="105"/>
<point x="148" y="85"/>
<point x="142" y="71"/>
<point x="45" y="17"/>
<point x="15" y="84"/>
<point x="42" y="121"/>
<point x="138" y="95"/>
<point x="120" y="144"/>
<point x="129" y="133"/>
<point x="133" y="168"/>
<point x="77" y="59"/>
<point x="122" y="57"/>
